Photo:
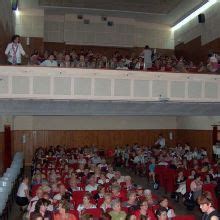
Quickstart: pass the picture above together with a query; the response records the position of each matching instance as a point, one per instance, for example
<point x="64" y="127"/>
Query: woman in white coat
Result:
<point x="14" y="51"/>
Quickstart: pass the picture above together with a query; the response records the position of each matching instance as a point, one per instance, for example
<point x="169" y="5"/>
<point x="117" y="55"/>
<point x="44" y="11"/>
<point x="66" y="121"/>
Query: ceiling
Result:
<point x="158" y="11"/>
<point x="104" y="108"/>
<point x="145" y="6"/>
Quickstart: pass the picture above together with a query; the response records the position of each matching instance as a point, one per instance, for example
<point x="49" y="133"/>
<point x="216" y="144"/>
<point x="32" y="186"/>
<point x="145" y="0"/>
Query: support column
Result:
<point x="7" y="124"/>
<point x="7" y="147"/>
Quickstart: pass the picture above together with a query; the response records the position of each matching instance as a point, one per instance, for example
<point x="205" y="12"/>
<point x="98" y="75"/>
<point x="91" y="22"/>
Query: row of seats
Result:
<point x="9" y="184"/>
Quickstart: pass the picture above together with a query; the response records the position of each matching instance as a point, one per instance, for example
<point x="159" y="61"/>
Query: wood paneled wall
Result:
<point x="195" y="51"/>
<point x="1" y="151"/>
<point x="28" y="141"/>
<point x="196" y="138"/>
<point x="104" y="139"/>
<point x="107" y="51"/>
<point x="5" y="38"/>
<point x="35" y="43"/>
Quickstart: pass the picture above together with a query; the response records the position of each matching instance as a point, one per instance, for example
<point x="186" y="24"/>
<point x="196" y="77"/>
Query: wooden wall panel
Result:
<point x="35" y="43"/>
<point x="103" y="139"/>
<point x="23" y="141"/>
<point x="196" y="138"/>
<point x="107" y="51"/>
<point x="106" y="139"/>
<point x="5" y="38"/>
<point x="1" y="152"/>
<point x="195" y="51"/>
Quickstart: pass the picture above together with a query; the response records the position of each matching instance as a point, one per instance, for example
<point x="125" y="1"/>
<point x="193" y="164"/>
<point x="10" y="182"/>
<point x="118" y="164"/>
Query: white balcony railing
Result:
<point x="97" y="84"/>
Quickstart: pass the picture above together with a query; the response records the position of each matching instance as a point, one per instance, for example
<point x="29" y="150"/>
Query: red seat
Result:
<point x="34" y="189"/>
<point x="170" y="180"/>
<point x="210" y="187"/>
<point x="159" y="172"/>
<point x="97" y="212"/>
<point x="99" y="202"/>
<point x="74" y="166"/>
<point x="78" y="197"/>
<point x="74" y="212"/>
<point x="188" y="182"/>
<point x="184" y="217"/>
<point x="109" y="153"/>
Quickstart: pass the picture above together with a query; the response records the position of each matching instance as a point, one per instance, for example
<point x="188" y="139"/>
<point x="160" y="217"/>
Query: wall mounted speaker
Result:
<point x="80" y="17"/>
<point x="110" y="23"/>
<point x="201" y="18"/>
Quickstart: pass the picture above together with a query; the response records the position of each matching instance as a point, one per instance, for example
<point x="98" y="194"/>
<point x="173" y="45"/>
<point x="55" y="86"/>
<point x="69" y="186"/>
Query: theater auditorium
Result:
<point x="109" y="110"/>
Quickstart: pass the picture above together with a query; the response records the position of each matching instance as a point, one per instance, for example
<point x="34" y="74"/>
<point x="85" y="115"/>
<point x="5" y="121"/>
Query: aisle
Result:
<point x="179" y="208"/>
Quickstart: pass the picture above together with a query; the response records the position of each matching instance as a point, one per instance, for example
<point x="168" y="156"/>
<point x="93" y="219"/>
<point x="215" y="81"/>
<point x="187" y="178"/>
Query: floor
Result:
<point x="15" y="213"/>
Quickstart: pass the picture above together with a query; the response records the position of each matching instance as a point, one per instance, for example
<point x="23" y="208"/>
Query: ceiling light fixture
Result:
<point x="194" y="14"/>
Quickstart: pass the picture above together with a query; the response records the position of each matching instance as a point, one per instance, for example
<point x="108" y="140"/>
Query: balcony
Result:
<point x="42" y="83"/>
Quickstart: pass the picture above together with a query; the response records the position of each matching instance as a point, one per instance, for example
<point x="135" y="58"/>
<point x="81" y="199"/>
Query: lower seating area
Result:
<point x="85" y="184"/>
<point x="174" y="171"/>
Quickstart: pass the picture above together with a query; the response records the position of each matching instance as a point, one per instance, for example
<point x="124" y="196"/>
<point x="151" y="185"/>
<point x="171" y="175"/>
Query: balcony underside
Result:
<point x="65" y="107"/>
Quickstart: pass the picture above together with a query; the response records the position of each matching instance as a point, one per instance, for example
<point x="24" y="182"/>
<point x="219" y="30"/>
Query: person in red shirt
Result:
<point x="144" y="211"/>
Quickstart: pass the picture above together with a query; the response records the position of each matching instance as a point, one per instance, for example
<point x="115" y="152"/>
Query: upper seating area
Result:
<point x="127" y="60"/>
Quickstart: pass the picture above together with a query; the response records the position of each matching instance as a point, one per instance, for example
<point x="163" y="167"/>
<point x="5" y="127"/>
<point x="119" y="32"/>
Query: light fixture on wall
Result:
<point x="17" y="12"/>
<point x="171" y="135"/>
<point x="23" y="139"/>
<point x="110" y="23"/>
<point x="194" y="14"/>
<point x="28" y="41"/>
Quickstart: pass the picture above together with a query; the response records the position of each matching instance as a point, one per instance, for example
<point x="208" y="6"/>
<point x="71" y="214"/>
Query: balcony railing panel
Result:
<point x="97" y="84"/>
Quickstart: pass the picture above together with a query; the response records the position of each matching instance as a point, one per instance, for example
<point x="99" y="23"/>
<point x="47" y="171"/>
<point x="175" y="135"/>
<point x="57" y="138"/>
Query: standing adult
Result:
<point x="23" y="197"/>
<point x="160" y="141"/>
<point x="206" y="205"/>
<point x="147" y="54"/>
<point x="14" y="51"/>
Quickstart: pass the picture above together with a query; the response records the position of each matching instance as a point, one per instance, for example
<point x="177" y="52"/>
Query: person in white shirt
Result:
<point x="147" y="54"/>
<point x="14" y="51"/>
<point x="34" y="202"/>
<point x="161" y="141"/>
<point x="81" y="159"/>
<point x="92" y="186"/>
<point x="50" y="62"/>
<point x="39" y="195"/>
<point x="86" y="203"/>
<point x="110" y="173"/>
<point x="96" y="159"/>
<point x="23" y="197"/>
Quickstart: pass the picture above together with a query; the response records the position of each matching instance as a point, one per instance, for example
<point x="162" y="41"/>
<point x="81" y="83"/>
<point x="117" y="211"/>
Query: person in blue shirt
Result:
<point x="152" y="168"/>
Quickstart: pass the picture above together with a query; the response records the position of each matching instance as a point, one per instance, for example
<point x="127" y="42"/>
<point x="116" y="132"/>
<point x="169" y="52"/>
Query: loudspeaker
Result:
<point x="80" y="17"/>
<point x="201" y="18"/>
<point x="110" y="23"/>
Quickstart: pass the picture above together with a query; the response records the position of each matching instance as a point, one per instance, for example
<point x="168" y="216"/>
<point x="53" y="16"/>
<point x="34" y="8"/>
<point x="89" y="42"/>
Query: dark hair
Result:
<point x="39" y="203"/>
<point x="128" y="216"/>
<point x="146" y="47"/>
<point x="197" y="176"/>
<point x="14" y="37"/>
<point x="87" y="216"/>
<point x="160" y="210"/>
<point x="65" y="204"/>
<point x="35" y="216"/>
<point x="163" y="198"/>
